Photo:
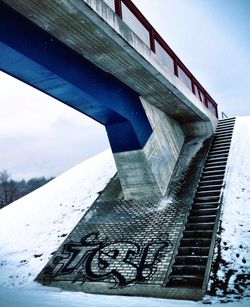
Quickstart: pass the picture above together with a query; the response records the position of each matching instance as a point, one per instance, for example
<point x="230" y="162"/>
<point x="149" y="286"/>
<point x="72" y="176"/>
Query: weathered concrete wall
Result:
<point x="146" y="173"/>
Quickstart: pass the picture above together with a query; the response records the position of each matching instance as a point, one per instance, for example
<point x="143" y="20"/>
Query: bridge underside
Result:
<point x="65" y="50"/>
<point x="37" y="58"/>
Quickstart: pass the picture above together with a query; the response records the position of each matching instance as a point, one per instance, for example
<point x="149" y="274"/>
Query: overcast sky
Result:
<point x="42" y="137"/>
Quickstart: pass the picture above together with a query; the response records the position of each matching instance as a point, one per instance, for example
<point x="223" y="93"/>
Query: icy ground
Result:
<point x="32" y="228"/>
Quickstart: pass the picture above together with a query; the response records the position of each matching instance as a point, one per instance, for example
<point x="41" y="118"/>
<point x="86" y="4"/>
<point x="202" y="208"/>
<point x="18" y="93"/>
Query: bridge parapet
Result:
<point x="130" y="14"/>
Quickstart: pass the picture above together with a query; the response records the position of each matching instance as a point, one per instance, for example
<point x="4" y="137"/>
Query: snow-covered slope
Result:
<point x="232" y="258"/>
<point x="32" y="228"/>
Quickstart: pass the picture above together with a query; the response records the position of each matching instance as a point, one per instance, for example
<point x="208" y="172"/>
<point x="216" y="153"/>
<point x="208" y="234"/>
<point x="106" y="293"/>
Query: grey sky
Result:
<point x="42" y="137"/>
<point x="212" y="38"/>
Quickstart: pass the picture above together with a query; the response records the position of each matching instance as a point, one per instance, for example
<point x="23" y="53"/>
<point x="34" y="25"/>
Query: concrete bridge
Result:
<point x="152" y="231"/>
<point x="104" y="59"/>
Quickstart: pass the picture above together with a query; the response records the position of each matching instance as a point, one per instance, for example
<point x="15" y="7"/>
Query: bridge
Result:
<point x="153" y="228"/>
<point x="104" y="59"/>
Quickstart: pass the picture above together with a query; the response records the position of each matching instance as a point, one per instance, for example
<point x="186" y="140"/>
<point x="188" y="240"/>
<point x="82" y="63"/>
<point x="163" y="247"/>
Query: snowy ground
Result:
<point x="33" y="227"/>
<point x="233" y="252"/>
<point x="35" y="295"/>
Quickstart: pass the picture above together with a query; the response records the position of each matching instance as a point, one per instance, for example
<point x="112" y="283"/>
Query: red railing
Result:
<point x="130" y="14"/>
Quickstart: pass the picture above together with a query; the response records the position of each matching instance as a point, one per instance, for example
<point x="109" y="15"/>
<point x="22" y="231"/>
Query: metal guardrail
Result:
<point x="130" y="14"/>
<point x="223" y="115"/>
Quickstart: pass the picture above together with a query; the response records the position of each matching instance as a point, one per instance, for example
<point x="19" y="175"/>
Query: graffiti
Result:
<point x="122" y="262"/>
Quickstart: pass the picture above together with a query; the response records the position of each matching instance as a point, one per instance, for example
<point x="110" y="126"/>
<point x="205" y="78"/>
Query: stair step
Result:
<point x="223" y="133"/>
<point x="211" y="182"/>
<point x="227" y="131"/>
<point x="216" y="163"/>
<point x="193" y="251"/>
<point x="200" y="226"/>
<point x="201" y="218"/>
<point x="220" y="149"/>
<point x="188" y="270"/>
<point x="208" y="193"/>
<point x="218" y="155"/>
<point x="222" y="130"/>
<point x="195" y="242"/>
<point x="220" y="143"/>
<point x="208" y="177"/>
<point x="214" y="168"/>
<point x="216" y="131"/>
<point x="209" y="188"/>
<point x="225" y="122"/>
<point x="188" y="281"/>
<point x="208" y="211"/>
<point x="219" y="152"/>
<point x="222" y="138"/>
<point x="197" y="234"/>
<point x="221" y="146"/>
<point x="202" y="206"/>
<point x="201" y="199"/>
<point x="220" y="123"/>
<point x="204" y="203"/>
<point x="213" y="172"/>
<point x="192" y="260"/>
<point x="213" y="178"/>
<point x="227" y="119"/>
<point x="228" y="124"/>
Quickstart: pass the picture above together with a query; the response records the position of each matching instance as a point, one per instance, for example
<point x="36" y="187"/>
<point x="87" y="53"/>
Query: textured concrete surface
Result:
<point x="146" y="173"/>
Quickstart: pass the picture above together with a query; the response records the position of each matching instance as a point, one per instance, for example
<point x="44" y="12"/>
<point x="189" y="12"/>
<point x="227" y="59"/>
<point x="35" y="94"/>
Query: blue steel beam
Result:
<point x="34" y="56"/>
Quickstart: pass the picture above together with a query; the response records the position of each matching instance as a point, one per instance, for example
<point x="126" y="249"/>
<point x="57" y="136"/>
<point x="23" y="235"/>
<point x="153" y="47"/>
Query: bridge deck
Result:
<point x="95" y="31"/>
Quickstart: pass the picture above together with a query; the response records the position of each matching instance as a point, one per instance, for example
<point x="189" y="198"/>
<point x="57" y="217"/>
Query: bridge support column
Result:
<point x="146" y="172"/>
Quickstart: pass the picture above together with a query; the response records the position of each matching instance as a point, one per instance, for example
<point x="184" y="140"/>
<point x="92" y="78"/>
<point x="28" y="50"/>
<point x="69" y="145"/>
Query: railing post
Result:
<point x="216" y="111"/>
<point x="152" y="39"/>
<point x="192" y="82"/>
<point x="206" y="99"/>
<point x="176" y="66"/>
<point x="118" y="8"/>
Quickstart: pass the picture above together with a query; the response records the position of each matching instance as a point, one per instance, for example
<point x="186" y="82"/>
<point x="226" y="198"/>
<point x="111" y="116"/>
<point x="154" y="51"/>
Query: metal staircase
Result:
<point x="193" y="261"/>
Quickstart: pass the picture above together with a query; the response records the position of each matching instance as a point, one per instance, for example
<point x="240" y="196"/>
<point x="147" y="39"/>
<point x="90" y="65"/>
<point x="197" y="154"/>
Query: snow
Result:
<point x="33" y="227"/>
<point x="36" y="295"/>
<point x="234" y="247"/>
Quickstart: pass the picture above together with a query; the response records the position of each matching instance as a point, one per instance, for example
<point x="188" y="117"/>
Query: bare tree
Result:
<point x="11" y="190"/>
<point x="8" y="189"/>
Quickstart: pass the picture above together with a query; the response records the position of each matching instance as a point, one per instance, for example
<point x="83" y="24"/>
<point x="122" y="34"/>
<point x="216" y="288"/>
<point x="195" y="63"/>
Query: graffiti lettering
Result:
<point x="122" y="262"/>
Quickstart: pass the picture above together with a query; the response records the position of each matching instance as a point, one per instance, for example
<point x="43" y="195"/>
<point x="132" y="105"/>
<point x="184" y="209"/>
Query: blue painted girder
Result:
<point x="32" y="55"/>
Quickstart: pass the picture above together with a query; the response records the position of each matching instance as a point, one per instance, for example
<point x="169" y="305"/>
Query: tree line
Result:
<point x="11" y="190"/>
